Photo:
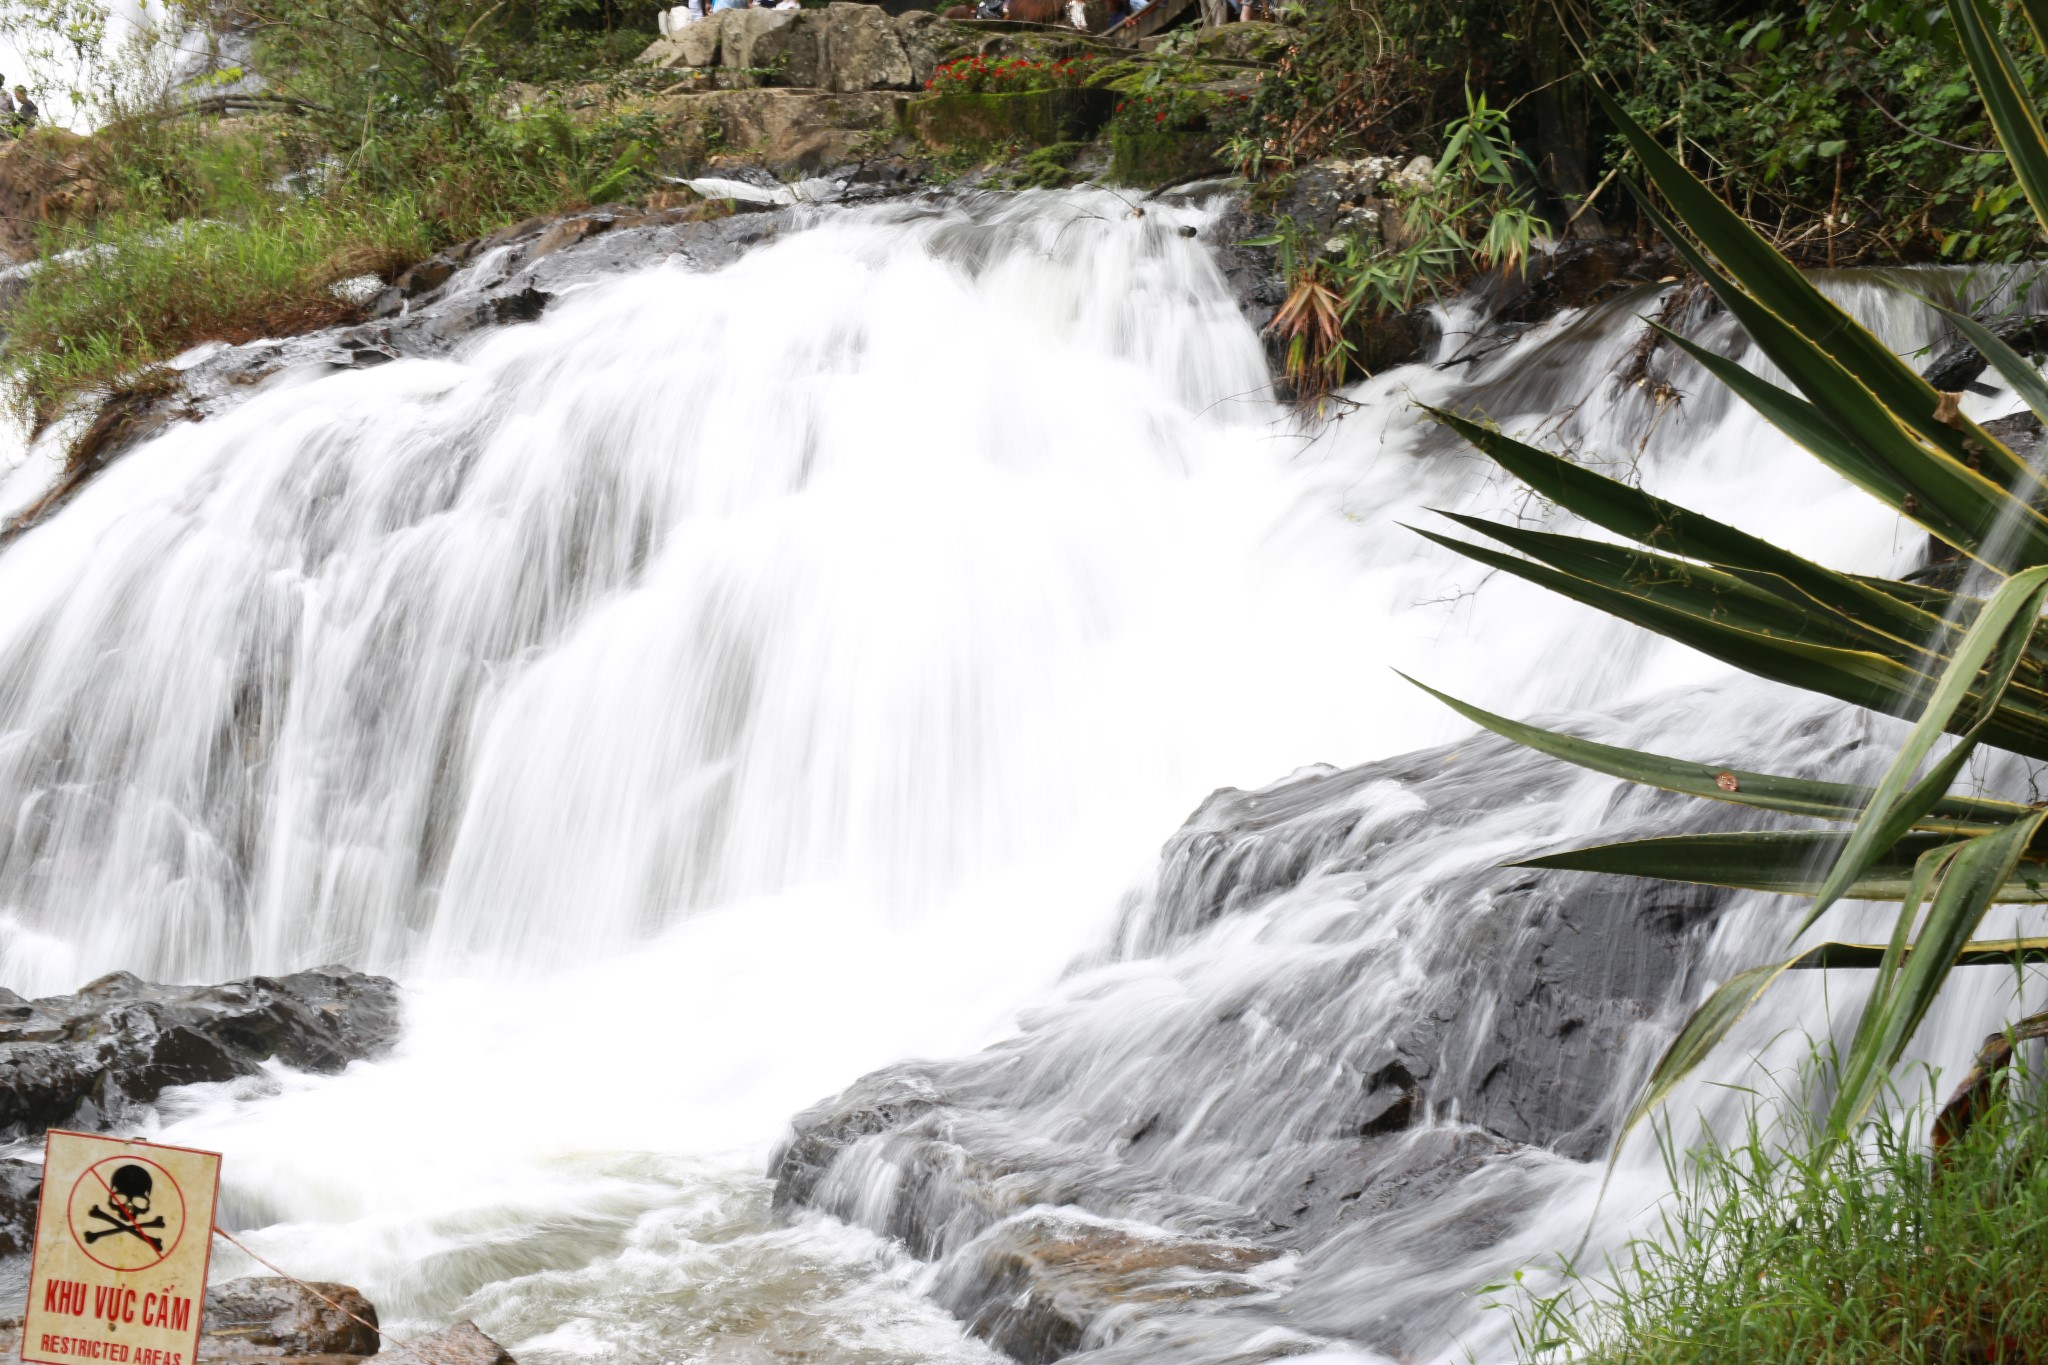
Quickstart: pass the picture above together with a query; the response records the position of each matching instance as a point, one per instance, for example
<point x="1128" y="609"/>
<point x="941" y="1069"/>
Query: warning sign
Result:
<point x="123" y="1238"/>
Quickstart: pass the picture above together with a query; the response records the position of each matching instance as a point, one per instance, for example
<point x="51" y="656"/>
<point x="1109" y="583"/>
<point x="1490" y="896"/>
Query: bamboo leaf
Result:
<point x="1737" y="786"/>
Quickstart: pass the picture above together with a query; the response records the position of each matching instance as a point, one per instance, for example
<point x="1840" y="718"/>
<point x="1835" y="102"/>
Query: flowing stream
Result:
<point x="736" y="682"/>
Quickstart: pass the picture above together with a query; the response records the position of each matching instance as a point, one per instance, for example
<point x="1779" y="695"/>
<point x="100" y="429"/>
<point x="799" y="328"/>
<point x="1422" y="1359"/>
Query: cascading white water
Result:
<point x="735" y="682"/>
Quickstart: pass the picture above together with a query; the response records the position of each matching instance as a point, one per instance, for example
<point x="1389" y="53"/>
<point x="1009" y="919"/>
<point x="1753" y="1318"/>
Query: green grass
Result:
<point x="138" y="293"/>
<point x="204" y="242"/>
<point x="1775" y="1251"/>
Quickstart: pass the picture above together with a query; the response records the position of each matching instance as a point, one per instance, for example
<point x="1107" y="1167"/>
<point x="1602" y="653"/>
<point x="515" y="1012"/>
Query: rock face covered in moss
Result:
<point x="1036" y="118"/>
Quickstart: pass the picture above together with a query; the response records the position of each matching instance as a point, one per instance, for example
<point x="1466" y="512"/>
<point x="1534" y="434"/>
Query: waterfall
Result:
<point x="737" y="682"/>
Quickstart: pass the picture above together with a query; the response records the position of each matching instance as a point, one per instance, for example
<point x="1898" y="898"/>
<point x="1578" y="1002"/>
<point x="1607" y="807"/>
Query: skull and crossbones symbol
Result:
<point x="129" y="1192"/>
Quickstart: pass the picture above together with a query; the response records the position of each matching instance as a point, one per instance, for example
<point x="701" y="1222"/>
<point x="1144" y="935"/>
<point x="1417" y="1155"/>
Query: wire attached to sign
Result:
<point x="232" y="1241"/>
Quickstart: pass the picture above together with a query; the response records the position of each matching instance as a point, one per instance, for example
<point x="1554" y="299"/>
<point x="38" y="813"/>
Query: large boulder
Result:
<point x="283" y="1322"/>
<point x="859" y="50"/>
<point x="841" y="48"/>
<point x="84" y="1060"/>
<point x="263" y="1317"/>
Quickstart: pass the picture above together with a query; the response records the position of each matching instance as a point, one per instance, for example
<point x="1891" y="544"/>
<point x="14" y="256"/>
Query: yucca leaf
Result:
<point x="1702" y="589"/>
<point x="1737" y="786"/>
<point x="1990" y="952"/>
<point x="1816" y="433"/>
<point x="1862" y="677"/>
<point x="1650" y="520"/>
<point x="1789" y="862"/>
<point x="1958" y="494"/>
<point x="1994" y="644"/>
<point x="1702" y="1033"/>
<point x="2005" y="99"/>
<point x="1968" y="885"/>
<point x="1720" y="1012"/>
<point x="1808" y="321"/>
<point x="2037" y="19"/>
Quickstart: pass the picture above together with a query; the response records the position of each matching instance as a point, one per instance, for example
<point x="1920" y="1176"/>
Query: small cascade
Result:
<point x="737" y="682"/>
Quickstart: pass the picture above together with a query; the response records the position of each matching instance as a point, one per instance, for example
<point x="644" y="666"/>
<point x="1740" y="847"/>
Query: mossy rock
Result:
<point x="1035" y="118"/>
<point x="1151" y="160"/>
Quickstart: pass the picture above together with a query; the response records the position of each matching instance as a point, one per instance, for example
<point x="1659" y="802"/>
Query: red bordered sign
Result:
<point x="123" y="1242"/>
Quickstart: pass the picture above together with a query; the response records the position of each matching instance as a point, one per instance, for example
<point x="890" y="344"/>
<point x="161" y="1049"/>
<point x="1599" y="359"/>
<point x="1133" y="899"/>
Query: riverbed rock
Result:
<point x="267" y="1317"/>
<point x="85" y="1060"/>
<point x="1037" y="1286"/>
<point x="267" y="1320"/>
<point x="462" y="1344"/>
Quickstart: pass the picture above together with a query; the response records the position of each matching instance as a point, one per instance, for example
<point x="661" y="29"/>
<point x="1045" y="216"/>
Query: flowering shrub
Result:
<point x="979" y="76"/>
<point x="1182" y="111"/>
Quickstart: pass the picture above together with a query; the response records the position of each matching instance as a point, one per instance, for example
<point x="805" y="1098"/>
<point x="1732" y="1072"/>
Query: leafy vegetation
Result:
<point x="1965" y="660"/>
<point x="385" y="133"/>
<point x="1782" y="1248"/>
<point x="1466" y="211"/>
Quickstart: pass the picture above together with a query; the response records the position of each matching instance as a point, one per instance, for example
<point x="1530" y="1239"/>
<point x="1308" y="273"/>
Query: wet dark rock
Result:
<point x="84" y="1060"/>
<point x="21" y="1187"/>
<point x="878" y="1104"/>
<point x="1295" y="1111"/>
<point x="2021" y="432"/>
<point x="1958" y="366"/>
<point x="1386" y="340"/>
<point x="263" y="1317"/>
<point x="1581" y="273"/>
<point x="525" y="306"/>
<point x="427" y="276"/>
<point x="462" y="1344"/>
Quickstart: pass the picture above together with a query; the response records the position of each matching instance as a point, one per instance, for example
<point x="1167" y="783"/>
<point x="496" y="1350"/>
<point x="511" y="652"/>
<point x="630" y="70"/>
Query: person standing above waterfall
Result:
<point x="25" y="110"/>
<point x="6" y="103"/>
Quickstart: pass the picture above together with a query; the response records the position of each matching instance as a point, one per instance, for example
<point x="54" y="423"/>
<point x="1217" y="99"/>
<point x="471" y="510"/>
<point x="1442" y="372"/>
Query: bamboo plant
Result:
<point x="1968" y="661"/>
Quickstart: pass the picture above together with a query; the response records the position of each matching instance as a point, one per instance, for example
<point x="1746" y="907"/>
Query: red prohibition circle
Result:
<point x="161" y="1180"/>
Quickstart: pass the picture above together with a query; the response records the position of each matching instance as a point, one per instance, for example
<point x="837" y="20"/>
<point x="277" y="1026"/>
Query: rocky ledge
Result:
<point x="265" y="1319"/>
<point x="89" y="1060"/>
<point x="86" y="1060"/>
<point x="1332" y="1030"/>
